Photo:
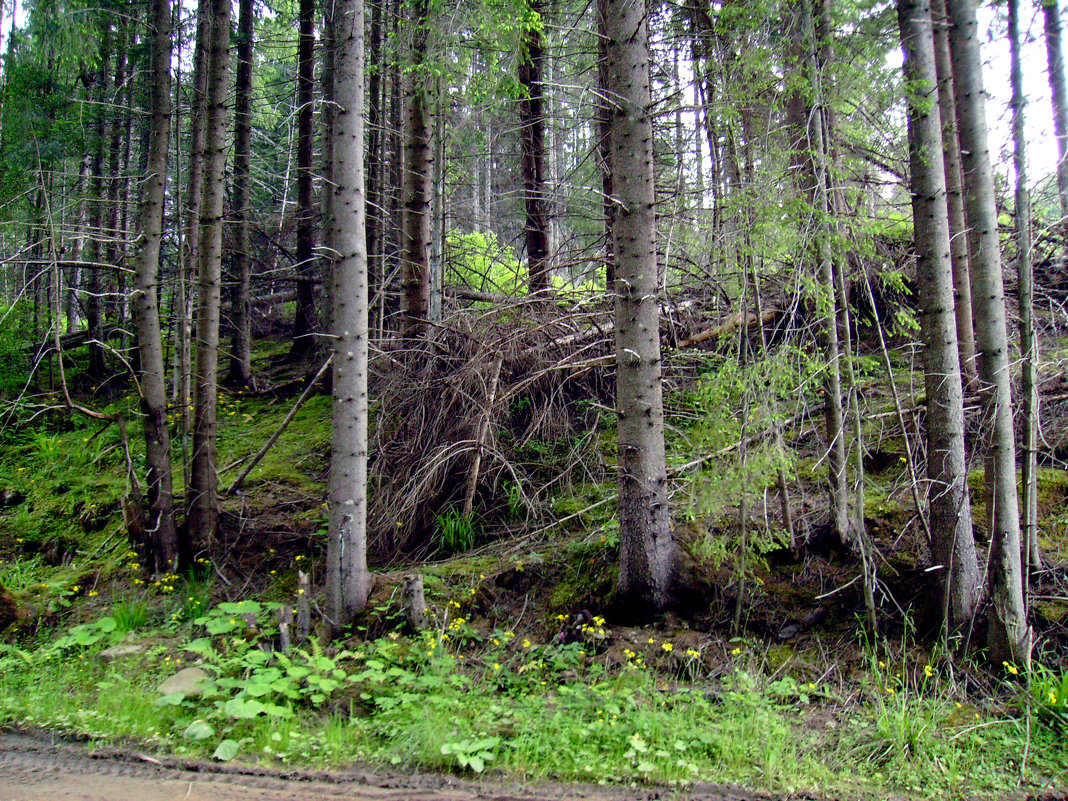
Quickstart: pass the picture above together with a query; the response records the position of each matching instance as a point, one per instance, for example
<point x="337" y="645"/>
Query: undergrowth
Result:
<point x="469" y="700"/>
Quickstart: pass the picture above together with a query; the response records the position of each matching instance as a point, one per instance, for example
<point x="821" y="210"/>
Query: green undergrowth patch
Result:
<point x="474" y="700"/>
<point x="62" y="529"/>
<point x="298" y="459"/>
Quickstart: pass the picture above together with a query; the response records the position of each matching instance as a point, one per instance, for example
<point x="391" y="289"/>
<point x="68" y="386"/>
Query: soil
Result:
<point x="36" y="768"/>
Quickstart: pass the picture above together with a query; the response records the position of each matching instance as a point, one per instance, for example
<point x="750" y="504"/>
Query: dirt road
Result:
<point x="34" y="768"/>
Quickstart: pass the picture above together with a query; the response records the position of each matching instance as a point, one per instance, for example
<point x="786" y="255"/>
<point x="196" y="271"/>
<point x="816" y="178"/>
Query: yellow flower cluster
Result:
<point x="165" y="583"/>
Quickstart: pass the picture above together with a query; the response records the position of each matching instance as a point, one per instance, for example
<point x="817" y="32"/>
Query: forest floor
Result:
<point x="762" y="678"/>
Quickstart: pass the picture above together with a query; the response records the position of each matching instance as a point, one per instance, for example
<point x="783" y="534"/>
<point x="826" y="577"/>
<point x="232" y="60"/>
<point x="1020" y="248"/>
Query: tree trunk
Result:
<point x="94" y="287"/>
<point x="532" y="138"/>
<point x="115" y="236"/>
<point x="240" y="343"/>
<point x="305" y="323"/>
<point x="375" y="161"/>
<point x="958" y="227"/>
<point x="1009" y="636"/>
<point x="203" y="511"/>
<point x="953" y="546"/>
<point x="191" y="254"/>
<point x="1051" y="17"/>
<point x="418" y="174"/>
<point x="647" y="548"/>
<point x="810" y="158"/>
<point x="604" y="144"/>
<point x="348" y="579"/>
<point x="1032" y="558"/>
<point x="160" y="523"/>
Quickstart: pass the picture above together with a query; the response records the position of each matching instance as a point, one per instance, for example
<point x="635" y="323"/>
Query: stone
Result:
<point x="190" y="681"/>
<point x="121" y="650"/>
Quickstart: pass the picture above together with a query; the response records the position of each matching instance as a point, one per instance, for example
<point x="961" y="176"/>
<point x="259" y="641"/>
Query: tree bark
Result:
<point x="532" y="138"/>
<point x="202" y="501"/>
<point x="1009" y="636"/>
<point x="240" y="374"/>
<point x="375" y="161"/>
<point x="305" y="323"/>
<point x="94" y="286"/>
<point x="348" y="579"/>
<point x="160" y="524"/>
<point x="326" y="135"/>
<point x="958" y="226"/>
<point x="1032" y="558"/>
<point x="953" y="546"/>
<point x="418" y="174"/>
<point x="647" y="548"/>
<point x="190" y="257"/>
<point x="1051" y="18"/>
<point x="604" y="144"/>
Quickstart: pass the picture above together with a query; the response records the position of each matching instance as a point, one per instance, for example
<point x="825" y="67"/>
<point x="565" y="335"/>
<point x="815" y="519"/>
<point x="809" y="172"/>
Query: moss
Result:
<point x="779" y="655"/>
<point x="1052" y="611"/>
<point x="300" y="456"/>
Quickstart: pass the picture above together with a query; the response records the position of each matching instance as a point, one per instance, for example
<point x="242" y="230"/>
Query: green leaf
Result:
<point x="242" y="709"/>
<point x="198" y="730"/>
<point x="276" y="711"/>
<point x="226" y="750"/>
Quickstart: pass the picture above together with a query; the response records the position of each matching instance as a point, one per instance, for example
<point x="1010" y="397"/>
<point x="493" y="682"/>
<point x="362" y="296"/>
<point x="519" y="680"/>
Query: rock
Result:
<point x="190" y="681"/>
<point x="11" y="497"/>
<point x="123" y="649"/>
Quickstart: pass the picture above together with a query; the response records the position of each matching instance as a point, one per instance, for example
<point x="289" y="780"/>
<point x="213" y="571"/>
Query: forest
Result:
<point x="653" y="394"/>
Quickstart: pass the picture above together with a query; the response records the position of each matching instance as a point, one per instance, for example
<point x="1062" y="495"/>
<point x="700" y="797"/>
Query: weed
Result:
<point x="456" y="532"/>
<point x="130" y="614"/>
<point x="1049" y="695"/>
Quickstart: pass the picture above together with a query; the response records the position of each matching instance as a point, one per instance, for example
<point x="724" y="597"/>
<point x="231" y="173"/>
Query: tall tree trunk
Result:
<point x="190" y="257"/>
<point x="375" y="161"/>
<point x="532" y="137"/>
<point x="305" y="324"/>
<point x="202" y="501"/>
<point x="1051" y="17"/>
<point x="1009" y="636"/>
<point x="604" y="144"/>
<point x="115" y="237"/>
<point x="647" y="548"/>
<point x="1032" y="557"/>
<point x="326" y="138"/>
<point x="348" y="579"/>
<point x="418" y="174"/>
<point x="241" y="258"/>
<point x="160" y="522"/>
<point x="958" y="227"/>
<point x="94" y="285"/>
<point x="953" y="548"/>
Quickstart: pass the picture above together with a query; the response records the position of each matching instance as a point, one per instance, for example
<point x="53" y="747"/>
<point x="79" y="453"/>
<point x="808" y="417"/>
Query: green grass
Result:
<point x="464" y="700"/>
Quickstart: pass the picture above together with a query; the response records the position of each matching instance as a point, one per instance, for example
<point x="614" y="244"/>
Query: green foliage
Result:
<point x="455" y="531"/>
<point x="473" y="754"/>
<point x="13" y="360"/>
<point x="105" y="630"/>
<point x="710" y="423"/>
<point x="130" y="614"/>
<point x="479" y="261"/>
<point x="1049" y="695"/>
